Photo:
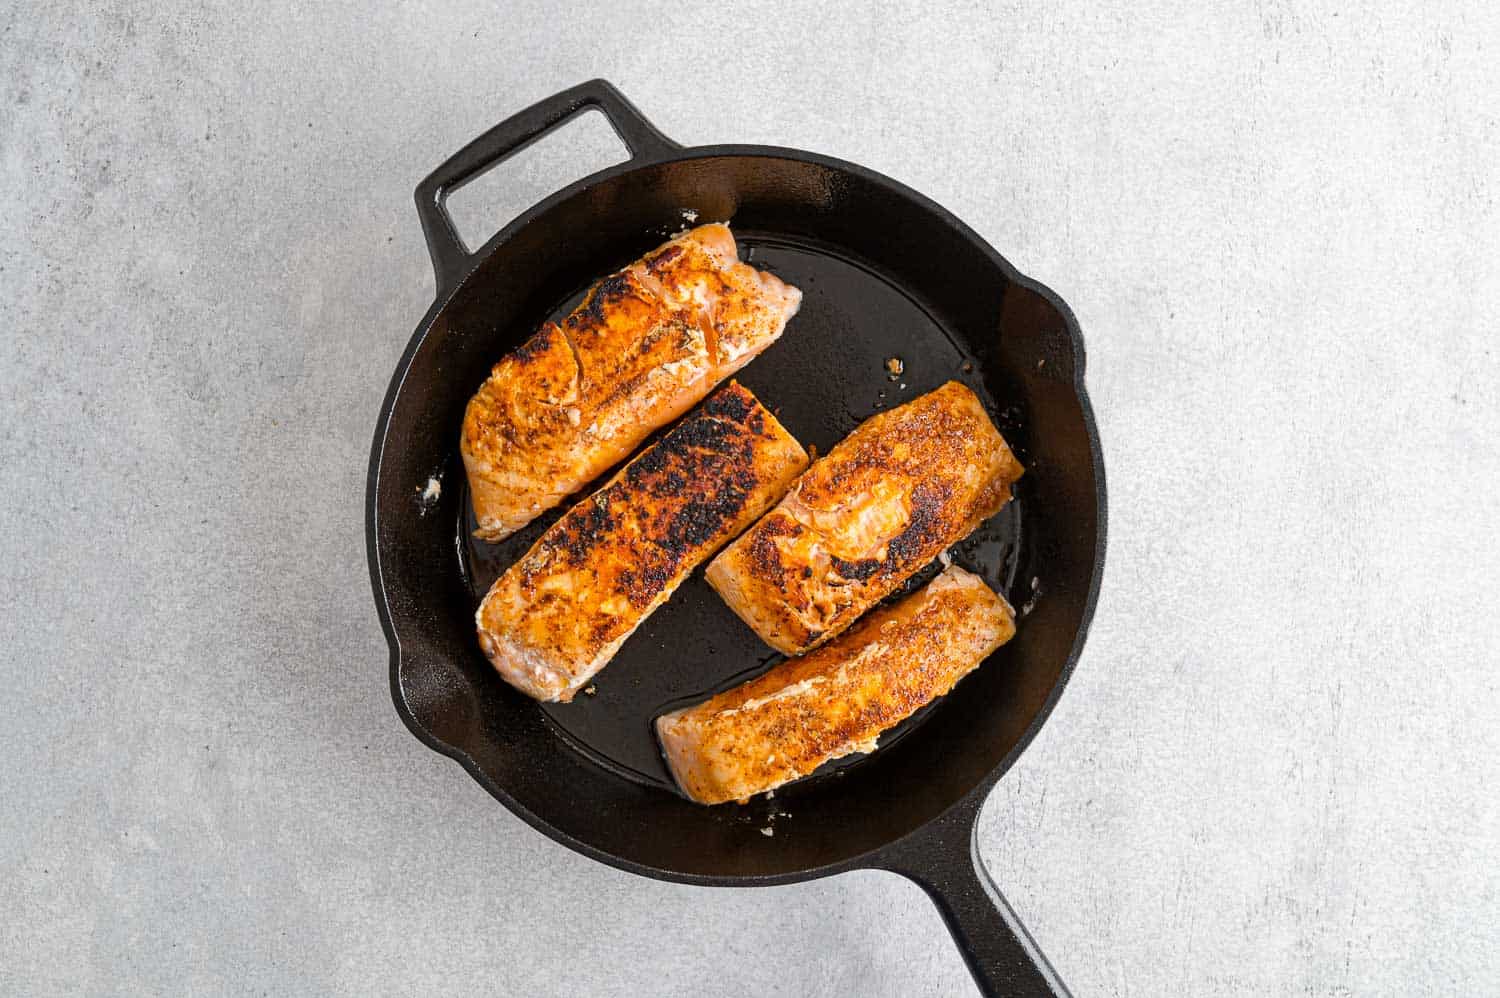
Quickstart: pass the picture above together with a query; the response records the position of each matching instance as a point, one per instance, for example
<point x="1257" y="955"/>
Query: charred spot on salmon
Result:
<point x="733" y="404"/>
<point x="660" y="262"/>
<point x="698" y="522"/>
<point x="764" y="553"/>
<point x="536" y="345"/>
<point x="923" y="528"/>
<point x="856" y="570"/>
<point x="728" y="443"/>
<point x="646" y="581"/>
<point x="715" y="436"/>
<point x="608" y="292"/>
<point x="576" y="531"/>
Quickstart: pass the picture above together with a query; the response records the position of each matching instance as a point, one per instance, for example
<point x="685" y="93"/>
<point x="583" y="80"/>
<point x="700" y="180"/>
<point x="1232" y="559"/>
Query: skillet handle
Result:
<point x="943" y="859"/>
<point x="451" y="259"/>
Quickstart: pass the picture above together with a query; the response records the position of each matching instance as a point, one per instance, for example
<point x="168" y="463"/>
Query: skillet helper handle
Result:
<point x="450" y="257"/>
<point x="943" y="859"/>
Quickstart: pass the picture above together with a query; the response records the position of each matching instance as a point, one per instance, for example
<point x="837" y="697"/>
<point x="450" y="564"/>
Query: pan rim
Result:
<point x="443" y="296"/>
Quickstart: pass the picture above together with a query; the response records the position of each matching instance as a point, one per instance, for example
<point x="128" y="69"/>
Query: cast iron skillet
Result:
<point x="886" y="273"/>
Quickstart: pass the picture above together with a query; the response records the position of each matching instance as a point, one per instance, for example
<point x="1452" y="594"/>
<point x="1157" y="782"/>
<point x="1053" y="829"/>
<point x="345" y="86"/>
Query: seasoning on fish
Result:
<point x="838" y="699"/>
<point x="881" y="504"/>
<point x="646" y="344"/>
<point x="557" y="616"/>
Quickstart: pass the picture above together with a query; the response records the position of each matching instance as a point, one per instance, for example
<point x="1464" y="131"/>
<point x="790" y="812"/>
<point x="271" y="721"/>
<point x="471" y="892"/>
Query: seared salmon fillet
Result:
<point x="558" y="615"/>
<point x="838" y="699"/>
<point x="646" y="344"/>
<point x="885" y="501"/>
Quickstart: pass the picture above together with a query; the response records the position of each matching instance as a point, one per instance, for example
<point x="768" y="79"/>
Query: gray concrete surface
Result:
<point x="1276" y="770"/>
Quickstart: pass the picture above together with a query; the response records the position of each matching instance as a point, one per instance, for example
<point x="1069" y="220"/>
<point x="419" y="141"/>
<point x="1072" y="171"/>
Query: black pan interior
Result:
<point x="885" y="275"/>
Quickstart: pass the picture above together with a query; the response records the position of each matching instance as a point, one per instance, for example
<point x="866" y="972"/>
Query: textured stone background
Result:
<point x="1276" y="770"/>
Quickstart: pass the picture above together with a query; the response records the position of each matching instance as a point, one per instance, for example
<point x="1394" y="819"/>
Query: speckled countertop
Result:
<point x="1275" y="770"/>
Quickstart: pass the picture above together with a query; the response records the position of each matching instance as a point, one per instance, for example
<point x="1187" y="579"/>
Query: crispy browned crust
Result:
<point x="558" y="615"/>
<point x="839" y="698"/>
<point x="884" y="502"/>
<point x="646" y="344"/>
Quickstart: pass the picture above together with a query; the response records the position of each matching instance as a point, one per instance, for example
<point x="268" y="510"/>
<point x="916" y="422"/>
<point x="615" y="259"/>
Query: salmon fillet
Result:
<point x="646" y="344"/>
<point x="884" y="502"/>
<point x="557" y="616"/>
<point x="838" y="699"/>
